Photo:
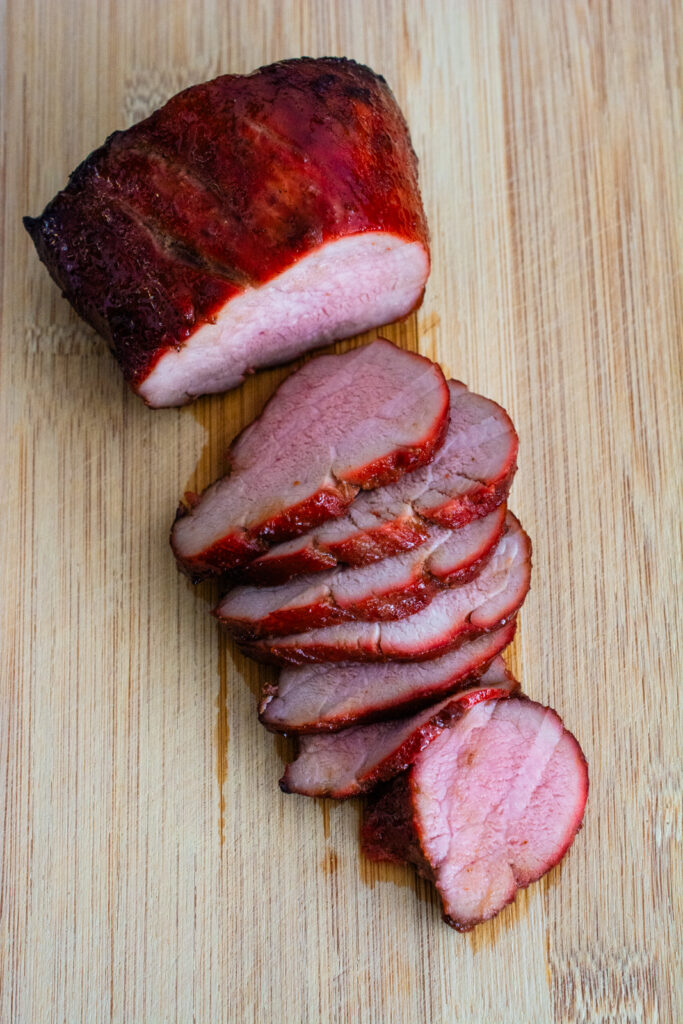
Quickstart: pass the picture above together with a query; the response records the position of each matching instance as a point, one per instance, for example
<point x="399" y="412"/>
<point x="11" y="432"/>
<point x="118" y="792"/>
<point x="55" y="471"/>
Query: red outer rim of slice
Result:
<point x="229" y="551"/>
<point x="405" y="458"/>
<point x="462" y="510"/>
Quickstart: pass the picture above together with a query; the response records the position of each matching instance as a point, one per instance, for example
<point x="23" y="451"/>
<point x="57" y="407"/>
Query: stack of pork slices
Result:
<point x="367" y="548"/>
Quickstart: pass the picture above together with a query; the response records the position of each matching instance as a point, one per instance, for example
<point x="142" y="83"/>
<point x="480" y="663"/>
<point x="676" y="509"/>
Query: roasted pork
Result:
<point x="339" y="424"/>
<point x="469" y="476"/>
<point x="249" y="219"/>
<point x="489" y="806"/>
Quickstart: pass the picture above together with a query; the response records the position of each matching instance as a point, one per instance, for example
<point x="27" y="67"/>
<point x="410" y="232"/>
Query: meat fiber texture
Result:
<point x="353" y="761"/>
<point x="491" y="805"/>
<point x="492" y="598"/>
<point x="386" y="590"/>
<point x="248" y="220"/>
<point x="339" y="424"/>
<point x="326" y="698"/>
<point x="469" y="476"/>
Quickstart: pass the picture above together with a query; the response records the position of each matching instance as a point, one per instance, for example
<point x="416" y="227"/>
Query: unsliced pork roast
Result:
<point x="469" y="476"/>
<point x="249" y="219"/>
<point x="339" y="424"/>
<point x="342" y="764"/>
<point x="390" y="589"/>
<point x="487" y="808"/>
<point x="492" y="598"/>
<point x="325" y="698"/>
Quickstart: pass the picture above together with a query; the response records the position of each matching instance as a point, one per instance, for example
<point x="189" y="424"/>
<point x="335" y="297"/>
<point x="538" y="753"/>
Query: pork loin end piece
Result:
<point x="338" y="424"/>
<point x="353" y="761"/>
<point x="491" y="805"/>
<point x="251" y="218"/>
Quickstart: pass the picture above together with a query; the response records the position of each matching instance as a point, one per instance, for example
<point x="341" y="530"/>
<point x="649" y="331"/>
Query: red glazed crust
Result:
<point x="222" y="189"/>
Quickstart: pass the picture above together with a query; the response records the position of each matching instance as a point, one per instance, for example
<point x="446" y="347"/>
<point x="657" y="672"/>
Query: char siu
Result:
<point x="483" y="604"/>
<point x="390" y="589"/>
<point x="249" y="219"/>
<point x="487" y="808"/>
<point x="339" y="424"/>
<point x="326" y="698"/>
<point x="342" y="764"/>
<point x="469" y="476"/>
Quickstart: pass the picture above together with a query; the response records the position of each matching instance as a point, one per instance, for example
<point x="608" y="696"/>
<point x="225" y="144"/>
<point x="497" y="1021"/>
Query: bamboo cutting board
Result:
<point x="151" y="869"/>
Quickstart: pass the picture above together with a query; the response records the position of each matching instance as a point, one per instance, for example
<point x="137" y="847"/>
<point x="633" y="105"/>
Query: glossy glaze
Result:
<point x="222" y="189"/>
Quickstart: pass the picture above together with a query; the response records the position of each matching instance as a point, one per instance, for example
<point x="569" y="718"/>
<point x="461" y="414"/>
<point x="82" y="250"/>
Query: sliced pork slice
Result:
<point x="338" y="424"/>
<point x="487" y="808"/>
<point x="342" y="764"/>
<point x="469" y="476"/>
<point x="386" y="590"/>
<point x="483" y="604"/>
<point x="249" y="219"/>
<point x="326" y="698"/>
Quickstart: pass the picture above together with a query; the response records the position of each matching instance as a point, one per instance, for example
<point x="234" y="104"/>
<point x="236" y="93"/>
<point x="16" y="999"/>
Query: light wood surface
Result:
<point x="151" y="869"/>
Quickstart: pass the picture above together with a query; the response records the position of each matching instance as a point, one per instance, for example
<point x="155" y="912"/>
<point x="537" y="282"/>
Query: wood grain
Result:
<point x="151" y="869"/>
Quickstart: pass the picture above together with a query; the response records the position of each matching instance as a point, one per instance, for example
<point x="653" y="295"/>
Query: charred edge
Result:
<point x="460" y="926"/>
<point x="464" y="509"/>
<point x="33" y="226"/>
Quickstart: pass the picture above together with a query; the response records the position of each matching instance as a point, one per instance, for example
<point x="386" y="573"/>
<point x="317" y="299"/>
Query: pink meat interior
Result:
<point x="498" y="799"/>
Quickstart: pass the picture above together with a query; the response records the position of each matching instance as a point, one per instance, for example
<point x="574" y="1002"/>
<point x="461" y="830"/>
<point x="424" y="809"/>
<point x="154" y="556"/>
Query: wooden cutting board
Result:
<point x="151" y="869"/>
